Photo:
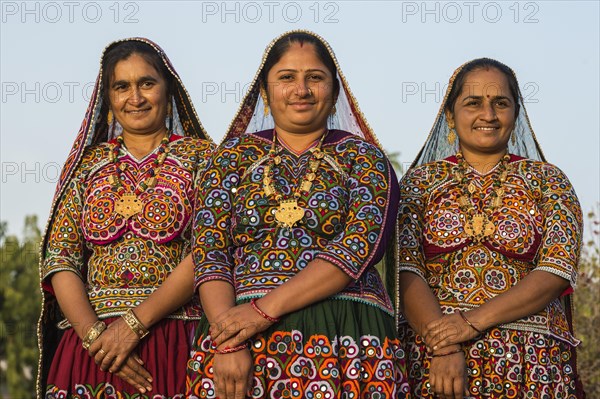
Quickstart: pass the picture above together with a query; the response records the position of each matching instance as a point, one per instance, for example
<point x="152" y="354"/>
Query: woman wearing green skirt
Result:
<point x="295" y="210"/>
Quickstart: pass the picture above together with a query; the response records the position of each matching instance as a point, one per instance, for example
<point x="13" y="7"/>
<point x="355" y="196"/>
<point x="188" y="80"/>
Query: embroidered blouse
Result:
<point x="538" y="227"/>
<point x="348" y="219"/>
<point x="122" y="261"/>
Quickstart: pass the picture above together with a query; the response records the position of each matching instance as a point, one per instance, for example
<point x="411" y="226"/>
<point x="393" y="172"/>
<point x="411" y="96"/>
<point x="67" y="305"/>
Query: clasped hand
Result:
<point x="237" y="325"/>
<point x="447" y="373"/>
<point x="233" y="371"/>
<point x="112" y="351"/>
<point x="448" y="330"/>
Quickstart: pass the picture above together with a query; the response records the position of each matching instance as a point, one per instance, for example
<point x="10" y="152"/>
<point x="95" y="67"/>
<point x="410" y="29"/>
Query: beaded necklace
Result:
<point x="129" y="204"/>
<point x="478" y="225"/>
<point x="289" y="211"/>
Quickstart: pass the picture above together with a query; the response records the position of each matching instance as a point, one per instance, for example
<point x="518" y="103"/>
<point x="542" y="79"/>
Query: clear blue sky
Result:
<point x="397" y="57"/>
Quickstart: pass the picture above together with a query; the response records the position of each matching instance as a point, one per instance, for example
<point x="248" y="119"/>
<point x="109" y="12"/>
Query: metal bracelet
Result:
<point x="135" y="324"/>
<point x="93" y="333"/>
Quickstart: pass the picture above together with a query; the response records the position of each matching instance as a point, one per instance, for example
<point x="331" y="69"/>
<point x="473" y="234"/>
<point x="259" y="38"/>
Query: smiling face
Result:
<point x="484" y="112"/>
<point x="138" y="96"/>
<point x="300" y="91"/>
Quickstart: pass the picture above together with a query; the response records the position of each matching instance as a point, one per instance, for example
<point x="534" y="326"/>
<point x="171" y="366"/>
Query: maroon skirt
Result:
<point x="165" y="352"/>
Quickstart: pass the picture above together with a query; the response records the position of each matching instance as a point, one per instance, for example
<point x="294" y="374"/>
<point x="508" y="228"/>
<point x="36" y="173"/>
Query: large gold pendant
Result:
<point x="128" y="205"/>
<point x="289" y="213"/>
<point x="479" y="227"/>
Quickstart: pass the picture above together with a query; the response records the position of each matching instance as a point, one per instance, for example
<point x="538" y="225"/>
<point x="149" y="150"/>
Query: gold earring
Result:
<point x="109" y="117"/>
<point x="451" y="134"/>
<point x="333" y="110"/>
<point x="263" y="94"/>
<point x="513" y="138"/>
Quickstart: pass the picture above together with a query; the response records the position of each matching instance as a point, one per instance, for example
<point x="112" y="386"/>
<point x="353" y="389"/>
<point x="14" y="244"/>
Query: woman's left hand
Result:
<point x="448" y="330"/>
<point x="237" y="325"/>
<point x="114" y="345"/>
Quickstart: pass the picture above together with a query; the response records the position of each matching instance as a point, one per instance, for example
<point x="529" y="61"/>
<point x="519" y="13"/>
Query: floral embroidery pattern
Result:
<point x="238" y="240"/>
<point x="538" y="227"/>
<point x="125" y="260"/>
<point x="289" y="365"/>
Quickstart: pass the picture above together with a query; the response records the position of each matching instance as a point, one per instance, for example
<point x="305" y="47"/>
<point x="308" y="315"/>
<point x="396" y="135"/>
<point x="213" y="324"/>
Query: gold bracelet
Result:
<point x="135" y="324"/>
<point x="93" y="333"/>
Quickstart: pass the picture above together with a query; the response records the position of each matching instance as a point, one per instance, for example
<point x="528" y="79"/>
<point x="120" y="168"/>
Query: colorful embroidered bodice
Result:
<point x="538" y="227"/>
<point x="350" y="214"/>
<point x="122" y="261"/>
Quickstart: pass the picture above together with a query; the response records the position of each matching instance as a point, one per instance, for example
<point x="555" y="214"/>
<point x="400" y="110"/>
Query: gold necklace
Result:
<point x="128" y="203"/>
<point x="478" y="225"/>
<point x="289" y="211"/>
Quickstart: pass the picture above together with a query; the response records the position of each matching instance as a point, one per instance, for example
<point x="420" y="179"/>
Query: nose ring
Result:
<point x="310" y="92"/>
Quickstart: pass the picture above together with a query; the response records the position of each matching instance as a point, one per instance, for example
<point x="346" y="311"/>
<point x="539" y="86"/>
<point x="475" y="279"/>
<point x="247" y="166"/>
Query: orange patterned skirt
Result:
<point x="503" y="364"/>
<point x="329" y="350"/>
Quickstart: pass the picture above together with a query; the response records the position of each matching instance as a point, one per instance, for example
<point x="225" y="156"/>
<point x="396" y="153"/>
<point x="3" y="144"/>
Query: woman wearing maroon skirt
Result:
<point x="120" y="225"/>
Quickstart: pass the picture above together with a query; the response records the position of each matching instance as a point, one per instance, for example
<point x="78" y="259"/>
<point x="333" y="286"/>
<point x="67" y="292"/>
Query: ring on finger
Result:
<point x="102" y="351"/>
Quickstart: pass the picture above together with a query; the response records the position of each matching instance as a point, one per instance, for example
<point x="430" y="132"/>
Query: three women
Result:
<point x="293" y="213"/>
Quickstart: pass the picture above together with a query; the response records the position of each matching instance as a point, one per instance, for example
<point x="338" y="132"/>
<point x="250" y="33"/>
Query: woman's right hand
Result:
<point x="113" y="346"/>
<point x="448" y="375"/>
<point x="233" y="374"/>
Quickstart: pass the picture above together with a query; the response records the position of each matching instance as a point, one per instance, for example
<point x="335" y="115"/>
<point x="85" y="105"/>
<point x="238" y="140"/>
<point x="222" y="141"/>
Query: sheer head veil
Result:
<point x="437" y="147"/>
<point x="250" y="117"/>
<point x="94" y="130"/>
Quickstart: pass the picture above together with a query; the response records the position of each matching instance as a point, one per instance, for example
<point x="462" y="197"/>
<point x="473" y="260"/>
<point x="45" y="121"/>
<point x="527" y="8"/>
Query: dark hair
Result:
<point x="483" y="63"/>
<point x="122" y="51"/>
<point x="281" y="46"/>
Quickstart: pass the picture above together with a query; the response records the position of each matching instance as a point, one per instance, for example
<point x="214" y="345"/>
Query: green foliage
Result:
<point x="587" y="310"/>
<point x="394" y="158"/>
<point x="19" y="309"/>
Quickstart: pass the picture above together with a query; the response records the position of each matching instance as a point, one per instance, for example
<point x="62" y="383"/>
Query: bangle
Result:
<point x="263" y="314"/>
<point x="447" y="354"/>
<point x="230" y="350"/>
<point x="135" y="324"/>
<point x="461" y="314"/>
<point x="93" y="333"/>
